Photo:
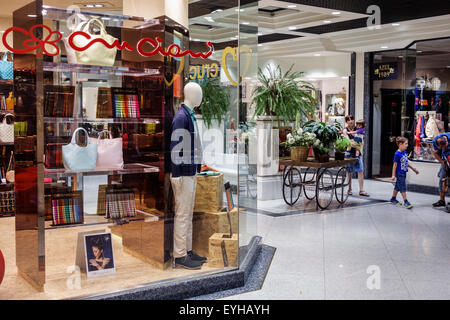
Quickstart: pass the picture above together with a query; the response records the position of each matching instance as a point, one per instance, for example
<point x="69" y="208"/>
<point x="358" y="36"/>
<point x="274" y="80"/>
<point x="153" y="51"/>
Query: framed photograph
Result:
<point x="99" y="254"/>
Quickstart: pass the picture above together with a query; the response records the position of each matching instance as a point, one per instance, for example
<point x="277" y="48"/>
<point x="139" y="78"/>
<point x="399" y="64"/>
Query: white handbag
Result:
<point x="7" y="130"/>
<point x="109" y="153"/>
<point x="431" y="129"/>
<point x="98" y="53"/>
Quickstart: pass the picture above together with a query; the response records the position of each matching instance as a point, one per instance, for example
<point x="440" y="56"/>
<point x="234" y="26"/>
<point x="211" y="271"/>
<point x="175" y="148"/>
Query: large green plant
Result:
<point x="215" y="102"/>
<point x="282" y="95"/>
<point x="326" y="133"/>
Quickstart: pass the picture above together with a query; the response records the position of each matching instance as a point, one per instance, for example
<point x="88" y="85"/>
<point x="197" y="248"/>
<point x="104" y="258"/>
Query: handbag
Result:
<point x="78" y="158"/>
<point x="6" y="68"/>
<point x="98" y="53"/>
<point x="120" y="203"/>
<point x="109" y="153"/>
<point x="431" y="128"/>
<point x="10" y="176"/>
<point x="67" y="208"/>
<point x="7" y="129"/>
<point x="7" y="203"/>
<point x="53" y="156"/>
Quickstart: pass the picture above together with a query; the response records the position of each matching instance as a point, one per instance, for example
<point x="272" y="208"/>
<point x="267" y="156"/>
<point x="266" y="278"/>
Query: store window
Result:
<point x="99" y="196"/>
<point x="411" y="99"/>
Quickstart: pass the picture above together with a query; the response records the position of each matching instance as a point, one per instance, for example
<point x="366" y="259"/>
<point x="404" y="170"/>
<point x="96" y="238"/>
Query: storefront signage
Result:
<point x="54" y="37"/>
<point x="209" y="71"/>
<point x="386" y="71"/>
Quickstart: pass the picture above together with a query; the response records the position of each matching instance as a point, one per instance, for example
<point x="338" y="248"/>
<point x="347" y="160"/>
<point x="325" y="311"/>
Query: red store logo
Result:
<point x="34" y="42"/>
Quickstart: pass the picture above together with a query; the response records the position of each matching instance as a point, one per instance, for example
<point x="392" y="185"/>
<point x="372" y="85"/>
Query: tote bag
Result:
<point x="7" y="130"/>
<point x="109" y="153"/>
<point x="98" y="53"/>
<point x="6" y="68"/>
<point x="78" y="158"/>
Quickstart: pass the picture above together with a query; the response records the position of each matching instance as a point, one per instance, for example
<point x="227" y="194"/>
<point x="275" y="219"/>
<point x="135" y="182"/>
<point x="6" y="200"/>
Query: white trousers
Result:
<point x="184" y="196"/>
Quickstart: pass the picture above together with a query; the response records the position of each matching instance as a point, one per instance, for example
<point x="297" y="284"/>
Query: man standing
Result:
<point x="441" y="152"/>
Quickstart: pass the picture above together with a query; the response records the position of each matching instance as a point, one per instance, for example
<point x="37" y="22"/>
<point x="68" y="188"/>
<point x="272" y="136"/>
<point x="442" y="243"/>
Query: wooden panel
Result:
<point x="209" y="194"/>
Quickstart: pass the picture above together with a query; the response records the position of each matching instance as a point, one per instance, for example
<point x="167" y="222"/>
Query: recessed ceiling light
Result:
<point x="89" y="5"/>
<point x="197" y="40"/>
<point x="419" y="51"/>
<point x="217" y="10"/>
<point x="395" y="24"/>
<point x="292" y="6"/>
<point x="260" y="34"/>
<point x="106" y="18"/>
<point x="209" y="19"/>
<point x="326" y="21"/>
<point x="336" y="13"/>
<point x="246" y="23"/>
<point x="259" y="45"/>
<point x="317" y="55"/>
<point x="32" y="15"/>
<point x="384" y="47"/>
<point x="344" y="77"/>
<point x="237" y="10"/>
<point x="292" y="28"/>
<point x="99" y="5"/>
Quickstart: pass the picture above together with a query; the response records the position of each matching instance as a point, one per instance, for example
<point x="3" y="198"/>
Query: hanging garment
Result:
<point x="417" y="138"/>
<point x="431" y="129"/>
<point x="422" y="128"/>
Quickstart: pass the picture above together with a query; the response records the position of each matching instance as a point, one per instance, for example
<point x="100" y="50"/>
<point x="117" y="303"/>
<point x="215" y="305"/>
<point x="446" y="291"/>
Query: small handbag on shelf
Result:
<point x="98" y="53"/>
<point x="109" y="152"/>
<point x="53" y="156"/>
<point x="7" y="129"/>
<point x="120" y="202"/>
<point x="7" y="203"/>
<point x="67" y="208"/>
<point x="104" y="103"/>
<point x="77" y="158"/>
<point x="6" y="68"/>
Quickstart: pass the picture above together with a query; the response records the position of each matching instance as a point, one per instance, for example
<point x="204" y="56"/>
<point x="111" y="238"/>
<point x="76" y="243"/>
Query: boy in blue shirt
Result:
<point x="399" y="171"/>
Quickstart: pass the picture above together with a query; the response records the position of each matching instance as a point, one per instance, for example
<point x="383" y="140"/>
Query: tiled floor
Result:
<point x="342" y="253"/>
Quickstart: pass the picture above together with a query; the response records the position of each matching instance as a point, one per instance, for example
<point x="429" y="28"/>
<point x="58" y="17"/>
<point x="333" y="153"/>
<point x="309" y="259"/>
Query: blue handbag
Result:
<point x="6" y="68"/>
<point x="78" y="158"/>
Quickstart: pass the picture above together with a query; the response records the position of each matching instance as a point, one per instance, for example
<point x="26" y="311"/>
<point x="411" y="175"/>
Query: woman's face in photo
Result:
<point x="97" y="252"/>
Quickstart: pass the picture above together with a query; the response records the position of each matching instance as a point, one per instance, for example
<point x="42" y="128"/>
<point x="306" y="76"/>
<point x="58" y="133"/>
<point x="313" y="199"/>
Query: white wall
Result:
<point x="5" y="23"/>
<point x="359" y="88"/>
<point x="174" y="9"/>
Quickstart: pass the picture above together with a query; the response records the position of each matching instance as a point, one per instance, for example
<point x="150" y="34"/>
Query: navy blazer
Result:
<point x="193" y="157"/>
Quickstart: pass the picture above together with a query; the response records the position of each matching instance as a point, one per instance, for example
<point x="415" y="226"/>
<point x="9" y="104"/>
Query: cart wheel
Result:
<point x="292" y="186"/>
<point x="342" y="185"/>
<point x="324" y="189"/>
<point x="309" y="183"/>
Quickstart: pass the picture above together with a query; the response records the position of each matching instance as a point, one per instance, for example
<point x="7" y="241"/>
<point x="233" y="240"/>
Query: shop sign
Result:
<point x="208" y="71"/>
<point x="53" y="37"/>
<point x="385" y="71"/>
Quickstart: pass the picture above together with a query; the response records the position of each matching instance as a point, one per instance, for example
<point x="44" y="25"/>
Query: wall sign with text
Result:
<point x="385" y="71"/>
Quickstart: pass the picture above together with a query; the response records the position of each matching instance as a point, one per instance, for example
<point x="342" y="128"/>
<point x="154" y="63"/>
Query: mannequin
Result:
<point x="186" y="160"/>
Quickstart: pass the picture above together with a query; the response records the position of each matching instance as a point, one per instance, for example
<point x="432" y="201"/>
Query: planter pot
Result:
<point x="316" y="154"/>
<point x="324" y="158"/>
<point x="299" y="154"/>
<point x="338" y="155"/>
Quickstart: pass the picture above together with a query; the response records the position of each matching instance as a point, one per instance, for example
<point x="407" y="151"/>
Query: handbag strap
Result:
<point x="88" y="24"/>
<point x="74" y="135"/>
<point x="5" y="56"/>
<point x="10" y="160"/>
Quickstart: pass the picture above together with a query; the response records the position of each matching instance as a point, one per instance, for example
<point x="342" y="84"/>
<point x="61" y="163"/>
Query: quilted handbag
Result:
<point x="109" y="153"/>
<point x="7" y="129"/>
<point x="98" y="53"/>
<point x="78" y="158"/>
<point x="6" y="68"/>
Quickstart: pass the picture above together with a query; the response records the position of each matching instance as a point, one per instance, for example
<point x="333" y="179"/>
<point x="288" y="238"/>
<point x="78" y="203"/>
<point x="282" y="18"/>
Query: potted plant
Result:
<point x="340" y="147"/>
<point x="299" y="143"/>
<point x="323" y="153"/>
<point x="326" y="135"/>
<point x="215" y="102"/>
<point x="282" y="95"/>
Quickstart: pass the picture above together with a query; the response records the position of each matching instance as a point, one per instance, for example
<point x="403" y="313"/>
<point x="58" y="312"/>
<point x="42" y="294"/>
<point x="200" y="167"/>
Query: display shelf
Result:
<point x="135" y="168"/>
<point x="105" y="120"/>
<point x="102" y="70"/>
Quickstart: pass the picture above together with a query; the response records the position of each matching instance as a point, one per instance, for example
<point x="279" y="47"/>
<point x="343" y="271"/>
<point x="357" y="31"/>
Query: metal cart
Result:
<point x="319" y="181"/>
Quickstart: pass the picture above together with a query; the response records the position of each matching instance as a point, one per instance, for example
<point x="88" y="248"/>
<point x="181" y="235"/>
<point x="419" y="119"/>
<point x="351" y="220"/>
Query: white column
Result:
<point x="175" y="9"/>
<point x="359" y="89"/>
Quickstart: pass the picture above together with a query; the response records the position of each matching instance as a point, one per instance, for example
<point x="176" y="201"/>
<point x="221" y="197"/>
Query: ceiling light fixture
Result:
<point x="292" y="6"/>
<point x="292" y="28"/>
<point x="395" y="24"/>
<point x="336" y="13"/>
<point x="246" y="23"/>
<point x="209" y="19"/>
<point x="99" y="5"/>
<point x="317" y="55"/>
<point x="89" y="5"/>
<point x="326" y="21"/>
<point x="32" y="15"/>
<point x="259" y="45"/>
<point x="384" y="47"/>
<point x="217" y="10"/>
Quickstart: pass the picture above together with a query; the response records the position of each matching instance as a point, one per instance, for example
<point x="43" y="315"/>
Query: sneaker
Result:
<point x="187" y="263"/>
<point x="440" y="203"/>
<point x="196" y="257"/>
<point x="394" y="201"/>
<point x="407" y="204"/>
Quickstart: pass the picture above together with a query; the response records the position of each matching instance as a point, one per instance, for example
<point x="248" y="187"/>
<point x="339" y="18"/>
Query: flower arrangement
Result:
<point x="299" y="138"/>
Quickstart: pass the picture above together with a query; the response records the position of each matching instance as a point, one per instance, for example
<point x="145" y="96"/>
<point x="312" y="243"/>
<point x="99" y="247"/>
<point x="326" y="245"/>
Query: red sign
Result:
<point x="54" y="37"/>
